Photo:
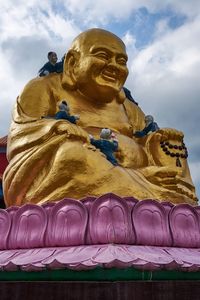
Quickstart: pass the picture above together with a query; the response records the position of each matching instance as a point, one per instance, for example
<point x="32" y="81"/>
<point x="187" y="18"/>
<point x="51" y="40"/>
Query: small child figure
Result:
<point x="52" y="66"/>
<point x="64" y="113"/>
<point x="150" y="126"/>
<point x="107" y="144"/>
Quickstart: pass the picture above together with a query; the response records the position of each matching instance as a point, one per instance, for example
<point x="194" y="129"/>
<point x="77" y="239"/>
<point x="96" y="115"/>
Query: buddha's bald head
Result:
<point x="98" y="64"/>
<point x="95" y="36"/>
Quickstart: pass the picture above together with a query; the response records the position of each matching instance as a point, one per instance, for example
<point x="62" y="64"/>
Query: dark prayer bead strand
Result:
<point x="166" y="147"/>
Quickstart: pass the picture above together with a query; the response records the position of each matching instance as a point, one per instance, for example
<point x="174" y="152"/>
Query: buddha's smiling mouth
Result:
<point x="110" y="76"/>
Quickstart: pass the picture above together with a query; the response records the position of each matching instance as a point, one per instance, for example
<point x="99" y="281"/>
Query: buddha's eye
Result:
<point x="121" y="61"/>
<point x="102" y="55"/>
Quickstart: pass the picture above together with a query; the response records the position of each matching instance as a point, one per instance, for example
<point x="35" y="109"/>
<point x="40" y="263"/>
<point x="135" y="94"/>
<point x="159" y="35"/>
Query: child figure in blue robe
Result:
<point x="107" y="144"/>
<point x="64" y="113"/>
<point x="52" y="66"/>
<point x="150" y="126"/>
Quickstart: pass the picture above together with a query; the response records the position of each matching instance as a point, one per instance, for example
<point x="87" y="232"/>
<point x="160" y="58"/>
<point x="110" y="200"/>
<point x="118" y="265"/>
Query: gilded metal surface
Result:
<point x="51" y="159"/>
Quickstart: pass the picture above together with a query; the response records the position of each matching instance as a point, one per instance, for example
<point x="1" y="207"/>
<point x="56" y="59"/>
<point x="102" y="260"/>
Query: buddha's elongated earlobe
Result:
<point x="121" y="96"/>
<point x="70" y="62"/>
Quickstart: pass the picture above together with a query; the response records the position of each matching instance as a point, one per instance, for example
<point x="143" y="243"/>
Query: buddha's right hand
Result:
<point x="73" y="131"/>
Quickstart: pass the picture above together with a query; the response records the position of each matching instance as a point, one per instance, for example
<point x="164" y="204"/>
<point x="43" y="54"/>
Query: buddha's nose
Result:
<point x="112" y="61"/>
<point x="112" y="65"/>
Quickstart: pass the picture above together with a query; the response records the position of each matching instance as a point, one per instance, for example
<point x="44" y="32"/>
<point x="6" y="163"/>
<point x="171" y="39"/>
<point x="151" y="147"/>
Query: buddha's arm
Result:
<point x="29" y="129"/>
<point x="168" y="165"/>
<point x="164" y="148"/>
<point x="167" y="155"/>
<point x="135" y="115"/>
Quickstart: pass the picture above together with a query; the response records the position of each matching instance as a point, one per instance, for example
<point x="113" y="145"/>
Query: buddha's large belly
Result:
<point x="130" y="154"/>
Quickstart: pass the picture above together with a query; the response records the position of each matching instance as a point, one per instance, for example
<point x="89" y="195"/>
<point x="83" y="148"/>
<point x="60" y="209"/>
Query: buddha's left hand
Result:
<point x="165" y="147"/>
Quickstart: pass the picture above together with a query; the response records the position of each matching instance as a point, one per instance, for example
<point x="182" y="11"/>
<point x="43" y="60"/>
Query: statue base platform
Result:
<point x="100" y="248"/>
<point x="98" y="290"/>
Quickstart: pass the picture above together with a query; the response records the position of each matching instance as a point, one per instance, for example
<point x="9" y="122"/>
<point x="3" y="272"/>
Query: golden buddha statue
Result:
<point x="51" y="159"/>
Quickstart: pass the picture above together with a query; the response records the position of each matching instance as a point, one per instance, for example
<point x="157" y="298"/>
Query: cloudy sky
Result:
<point x="163" y="44"/>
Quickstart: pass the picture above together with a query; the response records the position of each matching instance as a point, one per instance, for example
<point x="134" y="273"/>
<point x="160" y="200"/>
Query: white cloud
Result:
<point x="102" y="11"/>
<point x="170" y="59"/>
<point x="130" y="41"/>
<point x="28" y="31"/>
<point x="189" y="8"/>
<point x="37" y="18"/>
<point x="162" y="27"/>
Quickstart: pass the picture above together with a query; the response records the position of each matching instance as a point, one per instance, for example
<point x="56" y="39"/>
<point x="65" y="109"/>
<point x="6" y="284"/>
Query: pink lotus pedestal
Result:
<point x="106" y="232"/>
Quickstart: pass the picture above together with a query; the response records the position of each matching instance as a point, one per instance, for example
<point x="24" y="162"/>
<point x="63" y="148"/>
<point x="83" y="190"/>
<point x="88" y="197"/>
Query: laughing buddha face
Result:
<point x="101" y="65"/>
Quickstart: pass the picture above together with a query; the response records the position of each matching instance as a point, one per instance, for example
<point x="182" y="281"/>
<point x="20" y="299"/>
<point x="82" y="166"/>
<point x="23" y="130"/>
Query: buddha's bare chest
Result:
<point x="112" y="115"/>
<point x="115" y="120"/>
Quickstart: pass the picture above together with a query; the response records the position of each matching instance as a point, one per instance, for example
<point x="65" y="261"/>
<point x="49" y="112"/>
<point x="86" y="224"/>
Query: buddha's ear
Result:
<point x="70" y="62"/>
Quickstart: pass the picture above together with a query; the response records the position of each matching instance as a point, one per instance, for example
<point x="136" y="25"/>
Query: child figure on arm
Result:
<point x="107" y="144"/>
<point x="150" y="126"/>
